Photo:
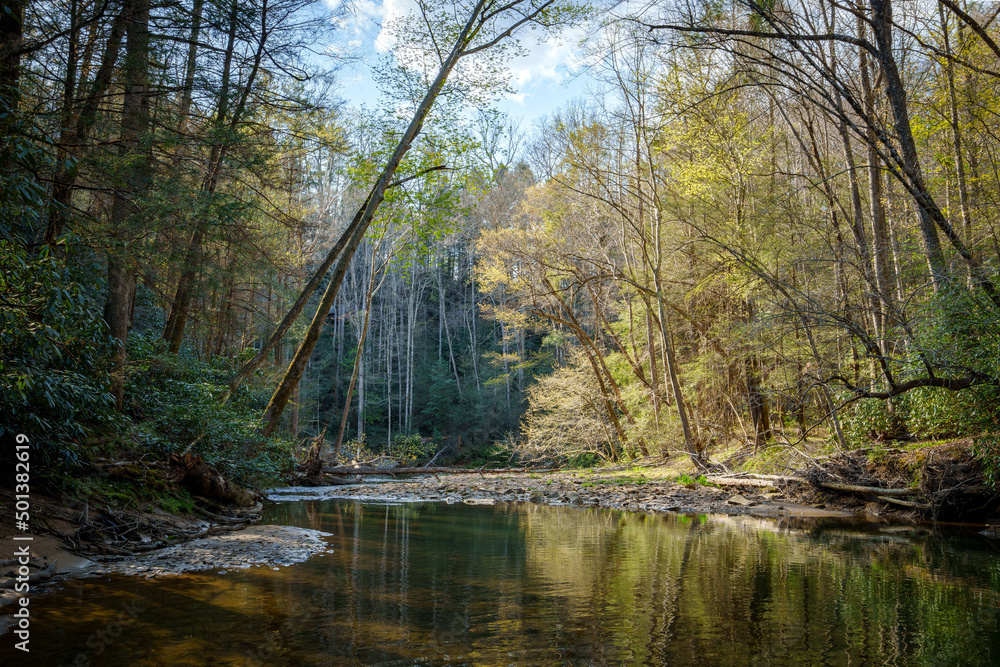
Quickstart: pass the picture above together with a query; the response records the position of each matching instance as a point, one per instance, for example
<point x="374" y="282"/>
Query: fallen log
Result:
<point x="220" y="519"/>
<point x="871" y="490"/>
<point x="777" y="478"/>
<point x="739" y="481"/>
<point x="435" y="471"/>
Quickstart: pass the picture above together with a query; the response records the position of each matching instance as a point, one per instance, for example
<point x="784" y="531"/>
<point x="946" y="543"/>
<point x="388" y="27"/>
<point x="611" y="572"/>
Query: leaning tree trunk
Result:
<point x="300" y="303"/>
<point x="272" y="414"/>
<point x="297" y="367"/>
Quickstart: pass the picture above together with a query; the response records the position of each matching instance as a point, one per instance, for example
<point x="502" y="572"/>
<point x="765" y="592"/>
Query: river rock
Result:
<point x="257" y="545"/>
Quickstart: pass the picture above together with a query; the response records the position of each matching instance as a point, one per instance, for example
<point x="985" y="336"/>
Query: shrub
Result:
<point x="175" y="400"/>
<point x="408" y="448"/>
<point x="55" y="349"/>
<point x="987" y="449"/>
<point x="927" y="412"/>
<point x="566" y="415"/>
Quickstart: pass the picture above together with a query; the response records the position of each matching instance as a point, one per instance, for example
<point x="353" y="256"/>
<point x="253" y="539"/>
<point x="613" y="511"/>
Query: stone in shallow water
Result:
<point x="257" y="545"/>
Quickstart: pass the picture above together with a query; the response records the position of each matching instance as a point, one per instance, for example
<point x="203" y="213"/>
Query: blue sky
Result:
<point x="545" y="78"/>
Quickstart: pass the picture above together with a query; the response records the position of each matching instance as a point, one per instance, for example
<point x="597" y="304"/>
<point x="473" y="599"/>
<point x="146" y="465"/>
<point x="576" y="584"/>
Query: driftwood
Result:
<point x="43" y="575"/>
<point x="779" y="478"/>
<point x="435" y="471"/>
<point x="737" y="481"/>
<point x="905" y="503"/>
<point x="754" y="480"/>
<point x="872" y="490"/>
<point x="218" y="518"/>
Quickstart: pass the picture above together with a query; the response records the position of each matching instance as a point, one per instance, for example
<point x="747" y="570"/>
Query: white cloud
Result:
<point x="391" y="10"/>
<point x="551" y="60"/>
<point x="543" y="74"/>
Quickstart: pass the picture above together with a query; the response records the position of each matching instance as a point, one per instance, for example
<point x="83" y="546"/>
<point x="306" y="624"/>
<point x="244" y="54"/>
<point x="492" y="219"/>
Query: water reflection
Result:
<point x="436" y="584"/>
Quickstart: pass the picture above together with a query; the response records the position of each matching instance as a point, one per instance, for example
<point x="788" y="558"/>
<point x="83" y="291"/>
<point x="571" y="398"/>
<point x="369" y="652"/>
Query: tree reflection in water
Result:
<point x="436" y="584"/>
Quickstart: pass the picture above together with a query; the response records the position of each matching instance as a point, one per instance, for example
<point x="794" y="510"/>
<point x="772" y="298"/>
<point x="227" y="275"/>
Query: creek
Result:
<point x="524" y="584"/>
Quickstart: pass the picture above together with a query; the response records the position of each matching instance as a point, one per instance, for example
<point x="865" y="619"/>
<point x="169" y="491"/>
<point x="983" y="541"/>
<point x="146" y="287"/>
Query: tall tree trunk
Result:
<point x="880" y="234"/>
<point x="442" y="300"/>
<point x="654" y="376"/>
<point x="191" y="69"/>
<point x="857" y="209"/>
<point x="956" y="129"/>
<point x="473" y="333"/>
<point x="174" y="330"/>
<point x="119" y="306"/>
<point x="80" y="117"/>
<point x="670" y="362"/>
<point x="358" y="371"/>
<point x="896" y="95"/>
<point x="11" y="38"/>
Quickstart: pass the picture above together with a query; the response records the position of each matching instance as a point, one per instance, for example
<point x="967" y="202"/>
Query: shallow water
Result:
<point x="436" y="584"/>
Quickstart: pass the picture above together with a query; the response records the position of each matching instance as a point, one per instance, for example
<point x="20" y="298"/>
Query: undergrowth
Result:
<point x="136" y="495"/>
<point x="174" y="405"/>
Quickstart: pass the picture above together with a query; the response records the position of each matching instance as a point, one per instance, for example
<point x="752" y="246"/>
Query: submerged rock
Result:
<point x="257" y="545"/>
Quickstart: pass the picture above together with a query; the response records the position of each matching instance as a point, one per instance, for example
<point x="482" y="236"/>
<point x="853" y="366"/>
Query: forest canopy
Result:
<point x="766" y="222"/>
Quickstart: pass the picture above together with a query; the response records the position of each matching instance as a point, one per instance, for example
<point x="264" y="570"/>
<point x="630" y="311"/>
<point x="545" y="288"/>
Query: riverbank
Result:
<point x="919" y="484"/>
<point x="916" y="482"/>
<point x="636" y="490"/>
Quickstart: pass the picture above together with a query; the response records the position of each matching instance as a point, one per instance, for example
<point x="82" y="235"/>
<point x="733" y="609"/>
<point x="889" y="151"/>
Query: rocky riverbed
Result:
<point x="634" y="493"/>
<point x="270" y="546"/>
